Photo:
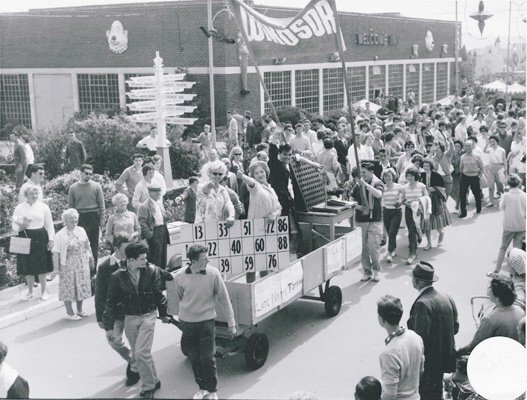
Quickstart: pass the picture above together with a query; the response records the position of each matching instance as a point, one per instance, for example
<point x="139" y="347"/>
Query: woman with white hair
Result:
<point x="32" y="219"/>
<point x="263" y="201"/>
<point x="122" y="220"/>
<point x="516" y="264"/>
<point x="213" y="156"/>
<point x="72" y="260"/>
<point x="213" y="202"/>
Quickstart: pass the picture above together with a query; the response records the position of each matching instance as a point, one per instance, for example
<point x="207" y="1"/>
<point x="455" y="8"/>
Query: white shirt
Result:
<point x="496" y="155"/>
<point x="150" y="142"/>
<point x="158" y="215"/>
<point x="30" y="156"/>
<point x="39" y="215"/>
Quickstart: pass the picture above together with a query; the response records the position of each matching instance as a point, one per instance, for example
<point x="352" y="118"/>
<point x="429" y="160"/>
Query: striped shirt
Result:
<point x="416" y="193"/>
<point x="390" y="197"/>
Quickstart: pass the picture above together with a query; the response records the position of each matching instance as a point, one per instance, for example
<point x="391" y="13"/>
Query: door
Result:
<point x="53" y="99"/>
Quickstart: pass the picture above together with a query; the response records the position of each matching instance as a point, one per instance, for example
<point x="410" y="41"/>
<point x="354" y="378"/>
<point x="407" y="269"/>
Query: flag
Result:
<point x="313" y="30"/>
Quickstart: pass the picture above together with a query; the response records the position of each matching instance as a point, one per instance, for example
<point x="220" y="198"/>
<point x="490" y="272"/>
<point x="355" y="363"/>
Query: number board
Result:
<point x="248" y="245"/>
<point x="312" y="190"/>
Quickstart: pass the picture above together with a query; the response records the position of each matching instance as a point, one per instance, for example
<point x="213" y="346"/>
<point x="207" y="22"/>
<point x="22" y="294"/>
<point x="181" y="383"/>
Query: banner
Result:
<point x="311" y="31"/>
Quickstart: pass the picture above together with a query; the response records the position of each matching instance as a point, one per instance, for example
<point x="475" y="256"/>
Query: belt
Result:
<point x="87" y="211"/>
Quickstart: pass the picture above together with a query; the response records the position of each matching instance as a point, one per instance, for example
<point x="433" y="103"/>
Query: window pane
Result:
<point x="441" y="80"/>
<point x="333" y="86"/>
<point x="428" y="83"/>
<point x="395" y="80"/>
<point x="377" y="80"/>
<point x="358" y="83"/>
<point x="98" y="91"/>
<point x="15" y="107"/>
<point x="412" y="80"/>
<point x="307" y="90"/>
<point x="279" y="87"/>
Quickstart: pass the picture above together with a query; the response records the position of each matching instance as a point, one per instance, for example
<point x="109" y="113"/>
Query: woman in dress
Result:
<point x="440" y="216"/>
<point x="72" y="260"/>
<point x="413" y="191"/>
<point x="122" y="220"/>
<point x="32" y="219"/>
<point x="263" y="201"/>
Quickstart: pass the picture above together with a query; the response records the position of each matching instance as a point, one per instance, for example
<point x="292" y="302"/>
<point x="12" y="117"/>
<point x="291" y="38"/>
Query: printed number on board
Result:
<point x="282" y="225"/>
<point x="213" y="249"/>
<point x="225" y="266"/>
<point x="236" y="247"/>
<point x="270" y="226"/>
<point x="223" y="230"/>
<point x="259" y="245"/>
<point x="247" y="228"/>
<point x="271" y="263"/>
<point x="198" y="232"/>
<point x="282" y="243"/>
<point x="248" y="263"/>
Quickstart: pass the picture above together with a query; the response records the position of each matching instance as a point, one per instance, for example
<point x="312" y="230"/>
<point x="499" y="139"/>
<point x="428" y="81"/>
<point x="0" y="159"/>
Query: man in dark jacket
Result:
<point x="105" y="270"/>
<point x="136" y="290"/>
<point x="433" y="317"/>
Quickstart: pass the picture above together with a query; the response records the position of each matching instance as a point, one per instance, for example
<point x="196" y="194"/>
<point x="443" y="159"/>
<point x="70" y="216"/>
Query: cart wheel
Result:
<point x="256" y="351"/>
<point x="184" y="351"/>
<point x="333" y="300"/>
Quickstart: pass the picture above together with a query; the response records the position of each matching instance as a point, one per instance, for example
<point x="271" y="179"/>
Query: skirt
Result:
<point x="39" y="259"/>
<point x="441" y="220"/>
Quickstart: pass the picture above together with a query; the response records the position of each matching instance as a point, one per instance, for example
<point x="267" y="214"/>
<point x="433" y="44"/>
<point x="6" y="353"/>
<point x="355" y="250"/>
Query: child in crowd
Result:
<point x="189" y="196"/>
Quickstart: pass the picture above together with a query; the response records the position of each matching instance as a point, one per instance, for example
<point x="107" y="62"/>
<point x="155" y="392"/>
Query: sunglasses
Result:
<point x="217" y="173"/>
<point x="238" y="154"/>
<point x="88" y="173"/>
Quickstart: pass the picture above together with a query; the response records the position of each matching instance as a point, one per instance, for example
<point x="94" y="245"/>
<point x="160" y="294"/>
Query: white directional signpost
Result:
<point x="158" y="102"/>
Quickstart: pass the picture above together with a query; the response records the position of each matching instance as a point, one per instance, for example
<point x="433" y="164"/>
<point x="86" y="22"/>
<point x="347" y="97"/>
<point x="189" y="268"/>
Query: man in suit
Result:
<point x="152" y="218"/>
<point x="433" y="317"/>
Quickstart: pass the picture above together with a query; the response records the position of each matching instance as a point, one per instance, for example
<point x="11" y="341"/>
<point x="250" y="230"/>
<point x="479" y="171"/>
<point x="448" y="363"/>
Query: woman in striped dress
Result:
<point x="440" y="216"/>
<point x="391" y="202"/>
<point x="413" y="191"/>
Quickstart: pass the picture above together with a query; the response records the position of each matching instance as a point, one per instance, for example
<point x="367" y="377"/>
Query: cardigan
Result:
<point x="60" y="244"/>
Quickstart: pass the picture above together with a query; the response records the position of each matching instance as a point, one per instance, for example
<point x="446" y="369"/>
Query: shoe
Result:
<point x="29" y="296"/>
<point x="147" y="394"/>
<point x="410" y="260"/>
<point x="202" y="394"/>
<point x="50" y="278"/>
<point x="497" y="196"/>
<point x="73" y="317"/>
<point x="455" y="212"/>
<point x="45" y="296"/>
<point x="365" y="278"/>
<point x="213" y="396"/>
<point x="158" y="385"/>
<point x="490" y="205"/>
<point x="440" y="240"/>
<point x="131" y="378"/>
<point x="35" y="284"/>
<point x="462" y="215"/>
<point x="478" y="210"/>
<point x="389" y="258"/>
<point x="419" y="239"/>
<point x="374" y="278"/>
<point x="83" y="314"/>
<point x="428" y="246"/>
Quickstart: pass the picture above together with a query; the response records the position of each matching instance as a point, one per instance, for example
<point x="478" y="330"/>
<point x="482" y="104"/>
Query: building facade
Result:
<point x="56" y="62"/>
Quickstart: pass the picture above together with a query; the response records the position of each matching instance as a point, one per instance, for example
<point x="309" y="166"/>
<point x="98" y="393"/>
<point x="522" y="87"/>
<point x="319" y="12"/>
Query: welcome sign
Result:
<point x="314" y="27"/>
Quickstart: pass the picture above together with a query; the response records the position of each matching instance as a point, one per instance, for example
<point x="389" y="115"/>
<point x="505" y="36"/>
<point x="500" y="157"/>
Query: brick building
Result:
<point x="58" y="61"/>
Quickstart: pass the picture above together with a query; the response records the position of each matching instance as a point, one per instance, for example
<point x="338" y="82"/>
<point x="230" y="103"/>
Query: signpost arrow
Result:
<point x="151" y="105"/>
<point x="170" y="120"/>
<point x="179" y="97"/>
<point x="151" y="79"/>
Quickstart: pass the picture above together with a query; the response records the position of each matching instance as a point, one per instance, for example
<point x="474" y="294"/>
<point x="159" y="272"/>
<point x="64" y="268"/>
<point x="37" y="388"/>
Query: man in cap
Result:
<point x="433" y="316"/>
<point x="152" y="215"/>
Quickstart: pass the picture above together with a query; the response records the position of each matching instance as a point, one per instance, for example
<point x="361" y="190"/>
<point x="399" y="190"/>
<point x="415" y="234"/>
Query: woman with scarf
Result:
<point x="440" y="216"/>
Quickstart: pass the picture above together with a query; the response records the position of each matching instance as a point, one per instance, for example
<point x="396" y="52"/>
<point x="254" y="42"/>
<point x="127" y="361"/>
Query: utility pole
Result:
<point x="211" y="76"/>
<point x="456" y="53"/>
<point x="508" y="50"/>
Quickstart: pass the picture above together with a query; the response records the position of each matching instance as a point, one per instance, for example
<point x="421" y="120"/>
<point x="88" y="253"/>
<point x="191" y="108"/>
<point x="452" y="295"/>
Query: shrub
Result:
<point x="288" y="113"/>
<point x="109" y="142"/>
<point x="185" y="159"/>
<point x="49" y="149"/>
<point x="8" y="202"/>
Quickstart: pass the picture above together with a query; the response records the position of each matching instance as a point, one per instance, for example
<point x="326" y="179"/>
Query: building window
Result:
<point x="128" y="88"/>
<point x="428" y="83"/>
<point x="279" y="87"/>
<point x="395" y="80"/>
<point x="377" y="81"/>
<point x="98" y="91"/>
<point x="358" y="83"/>
<point x="412" y="80"/>
<point x="15" y="107"/>
<point x="307" y="90"/>
<point x="441" y="80"/>
<point x="333" y="87"/>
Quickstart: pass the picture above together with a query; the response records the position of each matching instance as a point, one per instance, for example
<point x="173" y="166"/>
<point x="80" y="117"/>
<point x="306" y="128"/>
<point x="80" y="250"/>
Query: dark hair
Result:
<point x="261" y="146"/>
<point x="195" y="251"/>
<point x="510" y="113"/>
<point x="135" y="249"/>
<point x="192" y="180"/>
<point x="494" y="137"/>
<point x="389" y="136"/>
<point x="138" y="155"/>
<point x="368" y="388"/>
<point x="397" y="130"/>
<point x="413" y="172"/>
<point x="457" y="141"/>
<point x="483" y="128"/>
<point x="3" y="351"/>
<point x="299" y="125"/>
<point x="25" y="138"/>
<point x="429" y="162"/>
<point x="382" y="151"/>
<point x="328" y="143"/>
<point x="441" y="123"/>
<point x="34" y="168"/>
<point x="321" y="134"/>
<point x="286" y="147"/>
<point x="417" y="157"/>
<point x="119" y="238"/>
<point x="147" y="168"/>
<point x="514" y="181"/>
<point x="503" y="288"/>
<point x="354" y="173"/>
<point x="84" y="167"/>
<point x="267" y="120"/>
<point x="367" y="166"/>
<point x="409" y="143"/>
<point x="441" y="146"/>
<point x="390" y="309"/>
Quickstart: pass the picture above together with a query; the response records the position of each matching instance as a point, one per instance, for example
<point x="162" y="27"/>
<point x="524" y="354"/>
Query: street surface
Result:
<point x="308" y="351"/>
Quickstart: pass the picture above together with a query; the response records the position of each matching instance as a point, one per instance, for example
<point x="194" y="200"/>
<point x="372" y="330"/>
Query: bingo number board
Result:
<point x="247" y="246"/>
<point x="312" y="188"/>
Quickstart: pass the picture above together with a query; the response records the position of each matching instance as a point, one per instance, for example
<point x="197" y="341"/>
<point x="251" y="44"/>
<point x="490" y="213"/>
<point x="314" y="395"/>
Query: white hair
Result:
<point x="70" y="212"/>
<point x="217" y="166"/>
<point x="118" y="197"/>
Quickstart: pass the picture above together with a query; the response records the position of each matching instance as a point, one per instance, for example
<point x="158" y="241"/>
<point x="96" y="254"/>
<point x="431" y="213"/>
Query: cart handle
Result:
<point x="173" y="321"/>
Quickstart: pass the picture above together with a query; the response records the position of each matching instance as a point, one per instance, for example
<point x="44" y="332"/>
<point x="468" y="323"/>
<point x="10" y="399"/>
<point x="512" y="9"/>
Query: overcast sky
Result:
<point x="439" y="9"/>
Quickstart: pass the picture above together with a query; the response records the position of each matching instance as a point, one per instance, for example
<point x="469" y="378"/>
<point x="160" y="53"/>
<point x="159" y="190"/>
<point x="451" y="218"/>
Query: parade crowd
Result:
<point x="409" y="163"/>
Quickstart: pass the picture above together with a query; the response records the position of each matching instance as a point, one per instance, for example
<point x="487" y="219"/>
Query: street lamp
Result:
<point x="481" y="16"/>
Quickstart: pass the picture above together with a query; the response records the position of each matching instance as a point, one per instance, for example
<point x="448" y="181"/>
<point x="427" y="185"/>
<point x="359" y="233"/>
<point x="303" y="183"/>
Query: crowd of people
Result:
<point x="400" y="167"/>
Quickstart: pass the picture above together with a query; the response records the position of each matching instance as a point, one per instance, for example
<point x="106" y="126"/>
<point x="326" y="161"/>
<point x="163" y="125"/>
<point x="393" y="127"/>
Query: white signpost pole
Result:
<point x="162" y="148"/>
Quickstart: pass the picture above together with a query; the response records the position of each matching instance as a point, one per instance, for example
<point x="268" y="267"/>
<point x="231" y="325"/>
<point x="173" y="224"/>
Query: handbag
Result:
<point x="483" y="181"/>
<point x="20" y="245"/>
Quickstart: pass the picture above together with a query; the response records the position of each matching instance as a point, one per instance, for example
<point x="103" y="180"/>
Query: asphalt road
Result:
<point x="308" y="351"/>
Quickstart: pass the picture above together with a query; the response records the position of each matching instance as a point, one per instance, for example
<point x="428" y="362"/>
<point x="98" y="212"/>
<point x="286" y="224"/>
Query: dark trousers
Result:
<point x="392" y="222"/>
<point x="412" y="230"/>
<point x="157" y="245"/>
<point x="198" y="340"/>
<point x="90" y="221"/>
<point x="464" y="183"/>
<point x="431" y="384"/>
